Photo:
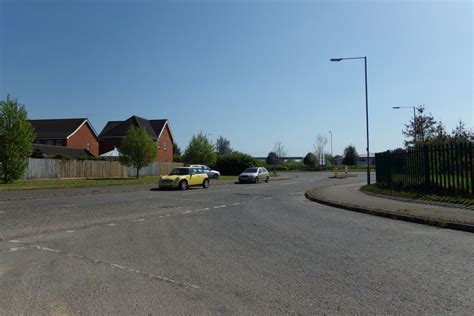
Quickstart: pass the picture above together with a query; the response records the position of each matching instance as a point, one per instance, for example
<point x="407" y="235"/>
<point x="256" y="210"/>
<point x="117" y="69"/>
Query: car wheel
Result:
<point x="215" y="176"/>
<point x="205" y="183"/>
<point x="183" y="185"/>
<point x="267" y="179"/>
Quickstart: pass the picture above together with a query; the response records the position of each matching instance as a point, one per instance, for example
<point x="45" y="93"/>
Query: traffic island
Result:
<point x="350" y="197"/>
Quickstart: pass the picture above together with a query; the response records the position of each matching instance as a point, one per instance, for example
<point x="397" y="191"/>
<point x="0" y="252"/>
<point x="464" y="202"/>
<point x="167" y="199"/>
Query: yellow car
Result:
<point x="183" y="178"/>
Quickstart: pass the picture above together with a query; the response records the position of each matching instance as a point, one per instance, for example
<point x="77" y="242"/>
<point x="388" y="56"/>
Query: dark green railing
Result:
<point x="447" y="168"/>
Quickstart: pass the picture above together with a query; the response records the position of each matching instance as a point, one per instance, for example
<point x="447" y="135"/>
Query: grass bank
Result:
<point x="83" y="183"/>
<point x="455" y="199"/>
<point x="74" y="183"/>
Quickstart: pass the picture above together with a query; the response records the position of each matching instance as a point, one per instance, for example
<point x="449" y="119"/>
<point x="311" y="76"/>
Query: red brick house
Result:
<point x="73" y="133"/>
<point x="158" y="130"/>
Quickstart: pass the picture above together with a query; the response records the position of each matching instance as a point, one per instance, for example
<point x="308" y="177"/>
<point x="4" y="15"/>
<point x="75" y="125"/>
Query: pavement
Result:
<point x="350" y="197"/>
<point x="231" y="249"/>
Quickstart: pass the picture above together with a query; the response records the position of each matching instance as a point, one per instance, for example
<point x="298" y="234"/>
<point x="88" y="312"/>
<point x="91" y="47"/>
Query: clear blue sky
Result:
<point x="252" y="71"/>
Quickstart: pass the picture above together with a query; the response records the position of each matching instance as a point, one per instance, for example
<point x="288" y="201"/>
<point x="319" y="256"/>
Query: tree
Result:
<point x="420" y="129"/>
<point x="177" y="153"/>
<point x="321" y="142"/>
<point x="16" y="139"/>
<point x="137" y="149"/>
<point x="460" y="132"/>
<point x="439" y="136"/>
<point x="272" y="159"/>
<point x="279" y="149"/>
<point x="350" y="156"/>
<point x="310" y="160"/>
<point x="200" y="151"/>
<point x="223" y="146"/>
<point x="234" y="163"/>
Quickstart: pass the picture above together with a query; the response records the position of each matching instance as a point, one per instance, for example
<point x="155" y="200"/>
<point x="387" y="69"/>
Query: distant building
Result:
<point x="75" y="133"/>
<point x="361" y="161"/>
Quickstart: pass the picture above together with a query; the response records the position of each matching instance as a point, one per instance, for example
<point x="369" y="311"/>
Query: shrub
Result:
<point x="234" y="163"/>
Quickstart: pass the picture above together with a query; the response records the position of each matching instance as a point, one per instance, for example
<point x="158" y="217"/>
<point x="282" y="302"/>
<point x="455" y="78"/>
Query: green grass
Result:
<point x="74" y="183"/>
<point x="374" y="188"/>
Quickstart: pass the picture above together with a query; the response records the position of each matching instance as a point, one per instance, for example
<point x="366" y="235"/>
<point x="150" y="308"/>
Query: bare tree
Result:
<point x="279" y="149"/>
<point x="321" y="142"/>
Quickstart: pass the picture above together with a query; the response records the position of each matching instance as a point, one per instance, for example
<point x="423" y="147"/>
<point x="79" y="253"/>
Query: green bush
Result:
<point x="234" y="163"/>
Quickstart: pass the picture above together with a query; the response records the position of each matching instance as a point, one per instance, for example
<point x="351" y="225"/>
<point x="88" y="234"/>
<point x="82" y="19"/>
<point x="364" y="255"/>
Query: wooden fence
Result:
<point x="445" y="168"/>
<point x="57" y="168"/>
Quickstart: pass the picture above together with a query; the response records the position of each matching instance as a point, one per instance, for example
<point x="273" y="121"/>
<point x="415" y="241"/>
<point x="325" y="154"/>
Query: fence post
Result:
<point x="426" y="164"/>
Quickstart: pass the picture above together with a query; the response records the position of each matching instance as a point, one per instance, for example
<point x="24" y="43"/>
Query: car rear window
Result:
<point x="251" y="170"/>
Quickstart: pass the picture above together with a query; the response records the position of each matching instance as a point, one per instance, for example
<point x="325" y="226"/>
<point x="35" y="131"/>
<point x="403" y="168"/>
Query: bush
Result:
<point x="310" y="160"/>
<point x="234" y="163"/>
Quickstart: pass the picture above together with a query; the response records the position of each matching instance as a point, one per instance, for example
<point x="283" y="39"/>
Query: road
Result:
<point x="231" y="249"/>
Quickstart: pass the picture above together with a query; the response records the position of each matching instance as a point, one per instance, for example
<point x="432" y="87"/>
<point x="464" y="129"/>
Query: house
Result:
<point x="158" y="130"/>
<point x="51" y="151"/>
<point x="72" y="133"/>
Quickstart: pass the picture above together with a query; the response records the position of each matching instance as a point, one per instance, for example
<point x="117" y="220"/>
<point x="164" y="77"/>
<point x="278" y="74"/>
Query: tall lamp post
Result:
<point x="331" y="143"/>
<point x="366" y="108"/>
<point x="414" y="118"/>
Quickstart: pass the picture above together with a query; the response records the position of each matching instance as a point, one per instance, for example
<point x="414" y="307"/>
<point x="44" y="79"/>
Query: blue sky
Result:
<point x="252" y="71"/>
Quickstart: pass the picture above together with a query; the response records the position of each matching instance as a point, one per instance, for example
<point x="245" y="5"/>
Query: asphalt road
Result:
<point x="231" y="249"/>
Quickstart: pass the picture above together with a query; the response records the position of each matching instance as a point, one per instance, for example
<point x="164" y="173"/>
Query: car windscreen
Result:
<point x="251" y="170"/>
<point x="179" y="172"/>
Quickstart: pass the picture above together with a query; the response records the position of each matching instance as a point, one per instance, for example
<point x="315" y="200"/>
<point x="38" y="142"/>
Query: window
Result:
<point x="164" y="145"/>
<point x="158" y="144"/>
<point x="50" y="142"/>
<point x="88" y="146"/>
<point x="59" y="142"/>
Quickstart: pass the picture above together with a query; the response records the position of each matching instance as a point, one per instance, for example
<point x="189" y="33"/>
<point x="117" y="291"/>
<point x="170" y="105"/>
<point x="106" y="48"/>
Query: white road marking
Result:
<point x="289" y="183"/>
<point x="267" y="198"/>
<point x="70" y="254"/>
<point x="111" y="224"/>
<point x="161" y="216"/>
<point x="139" y="220"/>
<point x="187" y="212"/>
<point x="236" y="203"/>
<point x="2" y="212"/>
<point x="220" y="206"/>
<point x="203" y="209"/>
<point x="17" y="248"/>
<point x="70" y="231"/>
<point x="45" y="248"/>
<point x="117" y="266"/>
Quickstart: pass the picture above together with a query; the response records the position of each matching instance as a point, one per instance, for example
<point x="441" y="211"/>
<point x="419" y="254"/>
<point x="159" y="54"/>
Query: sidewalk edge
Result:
<point x="402" y="217"/>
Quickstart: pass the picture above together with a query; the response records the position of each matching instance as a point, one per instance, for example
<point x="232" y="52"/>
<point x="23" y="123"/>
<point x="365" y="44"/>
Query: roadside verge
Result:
<point x="349" y="197"/>
<point x="31" y="194"/>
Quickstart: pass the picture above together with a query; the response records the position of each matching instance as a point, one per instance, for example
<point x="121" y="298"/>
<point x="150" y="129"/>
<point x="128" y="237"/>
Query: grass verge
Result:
<point x="74" y="183"/>
<point x="462" y="200"/>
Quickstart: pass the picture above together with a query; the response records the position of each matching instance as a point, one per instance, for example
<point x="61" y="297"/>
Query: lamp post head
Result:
<point x="335" y="59"/>
<point x="396" y="107"/>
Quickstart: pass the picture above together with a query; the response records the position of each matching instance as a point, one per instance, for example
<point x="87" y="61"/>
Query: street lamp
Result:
<point x="366" y="108"/>
<point x="414" y="118"/>
<point x="331" y="142"/>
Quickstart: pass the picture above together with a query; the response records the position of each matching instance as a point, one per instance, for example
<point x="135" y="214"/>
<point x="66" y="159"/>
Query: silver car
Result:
<point x="254" y="174"/>
<point x="213" y="174"/>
